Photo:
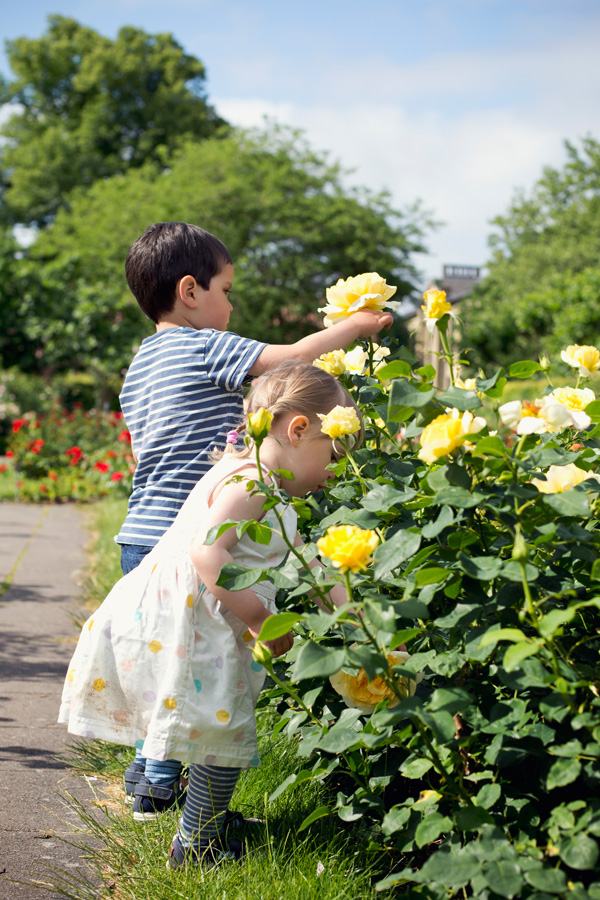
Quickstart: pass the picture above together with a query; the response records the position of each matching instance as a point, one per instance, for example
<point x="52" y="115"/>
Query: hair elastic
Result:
<point x="232" y="437"/>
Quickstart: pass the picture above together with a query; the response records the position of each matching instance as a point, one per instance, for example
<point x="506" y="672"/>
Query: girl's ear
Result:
<point x="186" y="291"/>
<point x="297" y="429"/>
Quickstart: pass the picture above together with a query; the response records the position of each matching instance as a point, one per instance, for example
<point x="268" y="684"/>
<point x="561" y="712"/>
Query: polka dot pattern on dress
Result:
<point x="170" y="703"/>
<point x="190" y="600"/>
<point x="99" y="684"/>
<point x="222" y="715"/>
<point x="155" y="646"/>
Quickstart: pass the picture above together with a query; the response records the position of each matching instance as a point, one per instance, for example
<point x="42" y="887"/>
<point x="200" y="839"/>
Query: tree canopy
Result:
<point x="87" y="107"/>
<point x="543" y="277"/>
<point x="288" y="221"/>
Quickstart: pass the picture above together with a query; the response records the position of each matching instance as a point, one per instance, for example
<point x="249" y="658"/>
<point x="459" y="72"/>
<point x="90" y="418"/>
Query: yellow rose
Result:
<point x="560" y="478"/>
<point x="469" y="384"/>
<point x="347" y="296"/>
<point x="582" y="357"/>
<point x="436" y="304"/>
<point x="359" y="693"/>
<point x="348" y="547"/>
<point x="261" y="653"/>
<point x="334" y="362"/>
<point x="354" y="360"/>
<point x="575" y="399"/>
<point x="259" y="423"/>
<point x="446" y="433"/>
<point x="547" y="414"/>
<point x="340" y="421"/>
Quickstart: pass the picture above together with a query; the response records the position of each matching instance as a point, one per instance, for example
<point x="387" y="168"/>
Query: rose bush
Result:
<point x="484" y="782"/>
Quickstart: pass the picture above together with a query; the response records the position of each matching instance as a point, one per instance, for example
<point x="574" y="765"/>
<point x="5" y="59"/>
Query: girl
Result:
<point x="165" y="664"/>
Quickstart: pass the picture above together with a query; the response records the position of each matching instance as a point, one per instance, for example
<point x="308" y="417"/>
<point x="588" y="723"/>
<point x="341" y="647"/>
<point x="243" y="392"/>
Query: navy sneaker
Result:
<point x="132" y="775"/>
<point x="217" y="852"/>
<point x="150" y="800"/>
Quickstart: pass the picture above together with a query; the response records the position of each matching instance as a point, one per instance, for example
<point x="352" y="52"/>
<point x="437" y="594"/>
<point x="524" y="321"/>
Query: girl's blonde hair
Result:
<point x="295" y="386"/>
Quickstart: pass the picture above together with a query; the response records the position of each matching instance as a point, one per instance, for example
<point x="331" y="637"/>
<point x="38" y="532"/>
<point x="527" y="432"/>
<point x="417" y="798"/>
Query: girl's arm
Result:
<point x="234" y="502"/>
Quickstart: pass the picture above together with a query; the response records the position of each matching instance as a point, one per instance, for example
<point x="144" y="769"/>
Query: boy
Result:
<point x="182" y="394"/>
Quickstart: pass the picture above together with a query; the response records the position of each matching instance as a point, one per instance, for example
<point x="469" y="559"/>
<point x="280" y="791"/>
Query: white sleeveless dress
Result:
<point x="162" y="665"/>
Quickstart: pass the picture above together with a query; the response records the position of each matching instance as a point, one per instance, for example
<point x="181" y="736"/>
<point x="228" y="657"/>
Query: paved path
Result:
<point x="41" y="551"/>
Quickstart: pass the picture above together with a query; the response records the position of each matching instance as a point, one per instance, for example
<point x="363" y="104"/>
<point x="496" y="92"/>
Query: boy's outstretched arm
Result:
<point x="362" y="324"/>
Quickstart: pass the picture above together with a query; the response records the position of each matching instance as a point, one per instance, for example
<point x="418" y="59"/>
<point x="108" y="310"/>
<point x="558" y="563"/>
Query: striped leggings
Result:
<point x="209" y="791"/>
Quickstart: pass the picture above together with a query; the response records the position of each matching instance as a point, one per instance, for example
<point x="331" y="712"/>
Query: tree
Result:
<point x="87" y="107"/>
<point x="291" y="226"/>
<point x="544" y="266"/>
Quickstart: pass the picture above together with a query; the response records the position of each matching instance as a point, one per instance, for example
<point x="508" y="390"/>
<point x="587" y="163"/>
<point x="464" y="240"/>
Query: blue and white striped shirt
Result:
<point x="182" y="394"/>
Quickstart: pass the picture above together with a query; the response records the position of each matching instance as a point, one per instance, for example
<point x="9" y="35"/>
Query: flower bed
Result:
<point x="70" y="455"/>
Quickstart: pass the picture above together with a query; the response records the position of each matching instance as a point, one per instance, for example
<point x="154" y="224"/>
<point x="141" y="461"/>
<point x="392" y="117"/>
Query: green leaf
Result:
<point x="579" y="852"/>
<point x="449" y="869"/>
<point x="318" y="813"/>
<point x="501" y="634"/>
<point x="396" y="369"/>
<point x="431" y="827"/>
<point x="524" y="369"/>
<point x="416" y="768"/>
<point x="431" y="575"/>
<point x="489" y="445"/>
<point x="452" y="700"/>
<point x="316" y="661"/>
<point x="552" y="621"/>
<point x="552" y="881"/>
<point x="400" y="547"/>
<point x="259" y="532"/>
<point x="234" y="577"/>
<point x="504" y="877"/>
<point x="384" y="496"/>
<point x="562" y="772"/>
<point x="485" y="384"/>
<point x="445" y="518"/>
<point x="488" y="795"/>
<point x="217" y="530"/>
<point x="572" y="502"/>
<point x="593" y="410"/>
<point x="395" y="819"/>
<point x="515" y="654"/>
<point x="276" y="626"/>
<point x="483" y="568"/>
<point x="339" y="739"/>
<point x="458" y="497"/>
<point x="406" y="393"/>
<point x="405" y="634"/>
<point x="471" y="818"/>
<point x="460" y="399"/>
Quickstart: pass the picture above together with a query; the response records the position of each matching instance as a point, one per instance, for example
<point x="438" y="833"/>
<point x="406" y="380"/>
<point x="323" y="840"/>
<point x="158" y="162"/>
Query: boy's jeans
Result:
<point x="132" y="555"/>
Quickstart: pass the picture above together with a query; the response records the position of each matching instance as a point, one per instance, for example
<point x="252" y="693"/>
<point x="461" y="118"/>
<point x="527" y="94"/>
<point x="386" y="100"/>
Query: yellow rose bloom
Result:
<point x="436" y="304"/>
<point x="348" y="547"/>
<point x="349" y="295"/>
<point x="358" y="692"/>
<point x="259" y="423"/>
<point x="334" y="362"/>
<point x="575" y="399"/>
<point x="354" y="360"/>
<point x="547" y="414"/>
<point x="340" y="421"/>
<point x="446" y="433"/>
<point x="582" y="357"/>
<point x="469" y="384"/>
<point x="560" y="478"/>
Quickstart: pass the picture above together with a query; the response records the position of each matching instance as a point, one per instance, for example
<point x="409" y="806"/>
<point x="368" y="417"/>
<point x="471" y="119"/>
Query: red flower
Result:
<point x="18" y="424"/>
<point x="3" y="467"/>
<point x="115" y="416"/>
<point x="124" y="437"/>
<point x="52" y="475"/>
<point x="75" y="453"/>
<point x="102" y="466"/>
<point x="36" y="446"/>
<point x="9" y="454"/>
<point x="19" y="483"/>
<point x="110" y="454"/>
<point x="43" y="488"/>
<point x="116" y="476"/>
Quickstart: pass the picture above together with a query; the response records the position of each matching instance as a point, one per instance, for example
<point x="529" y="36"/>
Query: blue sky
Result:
<point x="456" y="102"/>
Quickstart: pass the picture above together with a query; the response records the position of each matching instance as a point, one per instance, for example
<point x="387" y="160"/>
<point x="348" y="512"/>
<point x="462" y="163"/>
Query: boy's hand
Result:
<point x="371" y="321"/>
<point x="280" y="646"/>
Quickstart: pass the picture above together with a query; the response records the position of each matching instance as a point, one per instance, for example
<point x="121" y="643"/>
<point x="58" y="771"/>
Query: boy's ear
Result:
<point x="297" y="428"/>
<point x="186" y="291"/>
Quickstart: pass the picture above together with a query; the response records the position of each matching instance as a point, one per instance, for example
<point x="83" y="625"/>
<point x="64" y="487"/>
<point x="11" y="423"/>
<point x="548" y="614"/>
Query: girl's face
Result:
<point x="310" y="453"/>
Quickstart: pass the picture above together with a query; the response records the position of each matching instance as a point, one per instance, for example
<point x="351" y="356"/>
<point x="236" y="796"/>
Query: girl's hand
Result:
<point x="278" y="646"/>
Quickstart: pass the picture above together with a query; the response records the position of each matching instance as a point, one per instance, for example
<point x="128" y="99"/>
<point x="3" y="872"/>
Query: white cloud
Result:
<point x="461" y="133"/>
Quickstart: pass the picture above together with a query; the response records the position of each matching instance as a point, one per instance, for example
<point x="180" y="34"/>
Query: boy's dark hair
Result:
<point x="162" y="255"/>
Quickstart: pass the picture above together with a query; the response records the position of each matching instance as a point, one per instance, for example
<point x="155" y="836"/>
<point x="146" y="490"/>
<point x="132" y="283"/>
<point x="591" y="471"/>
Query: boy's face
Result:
<point x="214" y="306"/>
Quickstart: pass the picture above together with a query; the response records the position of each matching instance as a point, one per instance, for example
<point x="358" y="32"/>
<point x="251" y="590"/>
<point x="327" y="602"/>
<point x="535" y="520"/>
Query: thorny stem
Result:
<point x="447" y="353"/>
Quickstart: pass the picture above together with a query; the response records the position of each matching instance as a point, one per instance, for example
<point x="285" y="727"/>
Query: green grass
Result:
<point x="8" y="488"/>
<point x="127" y="861"/>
